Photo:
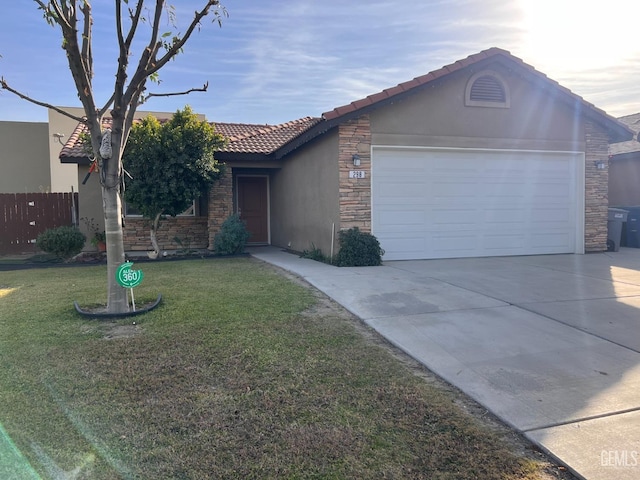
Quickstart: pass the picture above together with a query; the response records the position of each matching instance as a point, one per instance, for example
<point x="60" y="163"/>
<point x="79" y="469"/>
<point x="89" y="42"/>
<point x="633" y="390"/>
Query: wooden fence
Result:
<point x="23" y="216"/>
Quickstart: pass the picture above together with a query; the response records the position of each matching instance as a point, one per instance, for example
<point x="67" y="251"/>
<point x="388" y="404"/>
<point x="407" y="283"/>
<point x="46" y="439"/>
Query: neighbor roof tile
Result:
<point x="631" y="146"/>
<point x="241" y="137"/>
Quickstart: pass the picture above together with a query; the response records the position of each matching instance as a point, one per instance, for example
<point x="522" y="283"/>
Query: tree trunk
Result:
<point x="154" y="235"/>
<point x="117" y="299"/>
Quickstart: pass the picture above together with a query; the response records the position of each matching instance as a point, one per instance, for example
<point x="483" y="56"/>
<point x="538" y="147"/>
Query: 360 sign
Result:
<point x="128" y="278"/>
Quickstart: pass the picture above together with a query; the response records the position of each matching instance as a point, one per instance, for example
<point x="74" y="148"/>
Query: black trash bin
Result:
<point x="633" y="227"/>
<point x="617" y="217"/>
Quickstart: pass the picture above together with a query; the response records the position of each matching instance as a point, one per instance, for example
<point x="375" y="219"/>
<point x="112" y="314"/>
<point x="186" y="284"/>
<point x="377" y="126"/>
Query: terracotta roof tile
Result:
<point x="376" y="97"/>
<point x="268" y="138"/>
<point x="362" y="103"/>
<point x="631" y="146"/>
<point x="241" y="138"/>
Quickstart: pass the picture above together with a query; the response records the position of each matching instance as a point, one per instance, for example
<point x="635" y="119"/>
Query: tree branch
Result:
<point x="119" y="99"/>
<point x="87" y="54"/>
<point x="156" y="24"/>
<point x="172" y="94"/>
<point x="175" y="48"/>
<point x="135" y="19"/>
<point x="131" y="115"/>
<point x="119" y="26"/>
<point x="53" y="11"/>
<point x="147" y="57"/>
<point x="104" y="109"/>
<point x="5" y="86"/>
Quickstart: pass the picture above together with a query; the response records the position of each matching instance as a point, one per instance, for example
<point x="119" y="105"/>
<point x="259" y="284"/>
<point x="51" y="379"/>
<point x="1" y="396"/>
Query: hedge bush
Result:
<point x="63" y="242"/>
<point x="315" y="254"/>
<point x="358" y="249"/>
<point x="232" y="237"/>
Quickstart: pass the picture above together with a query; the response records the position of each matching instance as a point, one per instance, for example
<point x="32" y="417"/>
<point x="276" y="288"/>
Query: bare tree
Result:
<point x="75" y="20"/>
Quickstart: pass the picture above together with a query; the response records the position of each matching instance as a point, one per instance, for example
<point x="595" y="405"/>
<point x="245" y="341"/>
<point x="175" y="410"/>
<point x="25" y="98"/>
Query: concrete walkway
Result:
<point x="550" y="344"/>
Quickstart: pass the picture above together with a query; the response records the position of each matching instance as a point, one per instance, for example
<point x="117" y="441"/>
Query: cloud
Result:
<point x="280" y="60"/>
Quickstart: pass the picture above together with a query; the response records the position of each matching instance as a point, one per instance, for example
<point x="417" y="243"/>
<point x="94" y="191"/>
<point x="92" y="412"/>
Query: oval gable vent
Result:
<point x="487" y="89"/>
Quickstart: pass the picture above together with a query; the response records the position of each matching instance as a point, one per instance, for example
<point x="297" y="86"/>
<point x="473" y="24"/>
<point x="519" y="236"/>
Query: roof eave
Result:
<point x="620" y="157"/>
<point x="242" y="157"/>
<point x="616" y="130"/>
<point x="76" y="160"/>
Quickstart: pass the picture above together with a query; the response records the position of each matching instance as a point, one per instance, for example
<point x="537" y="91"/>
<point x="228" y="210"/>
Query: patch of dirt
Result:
<point x="114" y="330"/>
<point x="122" y="331"/>
<point x="550" y="469"/>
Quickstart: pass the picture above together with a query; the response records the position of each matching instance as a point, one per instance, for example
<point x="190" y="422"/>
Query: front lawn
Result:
<point x="240" y="373"/>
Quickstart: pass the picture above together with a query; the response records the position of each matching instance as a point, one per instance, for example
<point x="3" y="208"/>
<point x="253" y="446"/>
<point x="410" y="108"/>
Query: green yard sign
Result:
<point x="128" y="278"/>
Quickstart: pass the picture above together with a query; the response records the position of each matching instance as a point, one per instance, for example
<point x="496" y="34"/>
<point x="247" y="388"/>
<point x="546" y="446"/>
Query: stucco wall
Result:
<point x="89" y="203"/>
<point x="437" y="116"/>
<point x="304" y="196"/>
<point x="63" y="176"/>
<point x="24" y="158"/>
<point x="624" y="182"/>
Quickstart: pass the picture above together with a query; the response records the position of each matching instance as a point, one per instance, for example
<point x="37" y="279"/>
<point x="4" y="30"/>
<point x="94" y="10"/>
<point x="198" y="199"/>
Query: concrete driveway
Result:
<point x="550" y="344"/>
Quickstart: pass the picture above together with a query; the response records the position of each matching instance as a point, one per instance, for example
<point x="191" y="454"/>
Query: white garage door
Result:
<point x="443" y="203"/>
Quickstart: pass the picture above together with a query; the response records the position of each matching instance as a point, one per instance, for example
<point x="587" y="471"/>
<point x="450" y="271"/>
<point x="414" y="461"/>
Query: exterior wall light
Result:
<point x="600" y="165"/>
<point x="356" y="160"/>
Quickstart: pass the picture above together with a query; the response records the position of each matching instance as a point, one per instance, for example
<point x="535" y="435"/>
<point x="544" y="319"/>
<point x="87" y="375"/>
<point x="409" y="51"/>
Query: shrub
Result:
<point x="315" y="254"/>
<point x="358" y="249"/>
<point x="232" y="237"/>
<point x="63" y="242"/>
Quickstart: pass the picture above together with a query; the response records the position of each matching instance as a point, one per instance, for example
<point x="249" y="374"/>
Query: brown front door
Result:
<point x="253" y="207"/>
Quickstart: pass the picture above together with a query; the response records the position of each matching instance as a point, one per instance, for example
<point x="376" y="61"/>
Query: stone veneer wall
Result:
<point x="596" y="189"/>
<point x="192" y="231"/>
<point x="355" y="193"/>
<point x="220" y="204"/>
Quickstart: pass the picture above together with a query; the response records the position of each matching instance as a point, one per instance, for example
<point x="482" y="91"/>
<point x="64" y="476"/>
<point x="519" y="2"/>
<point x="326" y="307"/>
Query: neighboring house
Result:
<point x="24" y="158"/>
<point x="483" y="157"/>
<point x="624" y="167"/>
<point x="30" y="156"/>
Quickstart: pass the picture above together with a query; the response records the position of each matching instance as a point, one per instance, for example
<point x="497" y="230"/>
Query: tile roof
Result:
<point x="279" y="140"/>
<point x="263" y="139"/>
<point x="390" y="94"/>
<point x="241" y="137"/>
<point x="631" y="146"/>
<point x="416" y="82"/>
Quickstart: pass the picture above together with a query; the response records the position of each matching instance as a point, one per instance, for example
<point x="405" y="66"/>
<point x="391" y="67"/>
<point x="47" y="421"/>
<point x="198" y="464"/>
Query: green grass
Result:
<point x="233" y="376"/>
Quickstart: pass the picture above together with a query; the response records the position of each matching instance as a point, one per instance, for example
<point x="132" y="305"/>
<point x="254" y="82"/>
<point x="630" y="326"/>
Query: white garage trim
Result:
<point x="460" y="202"/>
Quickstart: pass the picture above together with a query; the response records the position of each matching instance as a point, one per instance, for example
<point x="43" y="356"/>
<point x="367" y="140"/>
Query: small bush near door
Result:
<point x="358" y="249"/>
<point x="315" y="254"/>
<point x="63" y="242"/>
<point x="232" y="237"/>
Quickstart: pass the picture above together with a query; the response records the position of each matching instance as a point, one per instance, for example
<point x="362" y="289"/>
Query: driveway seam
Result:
<point x="582" y="419"/>
<point x="506" y="305"/>
<point x="545" y="267"/>
<point x="523" y="307"/>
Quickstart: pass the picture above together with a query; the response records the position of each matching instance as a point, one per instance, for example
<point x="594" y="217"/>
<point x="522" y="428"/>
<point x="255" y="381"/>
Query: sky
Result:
<point x="274" y="61"/>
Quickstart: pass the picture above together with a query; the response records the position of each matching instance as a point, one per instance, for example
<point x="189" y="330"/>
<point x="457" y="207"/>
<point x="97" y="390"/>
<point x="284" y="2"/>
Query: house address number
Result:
<point x="356" y="174"/>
